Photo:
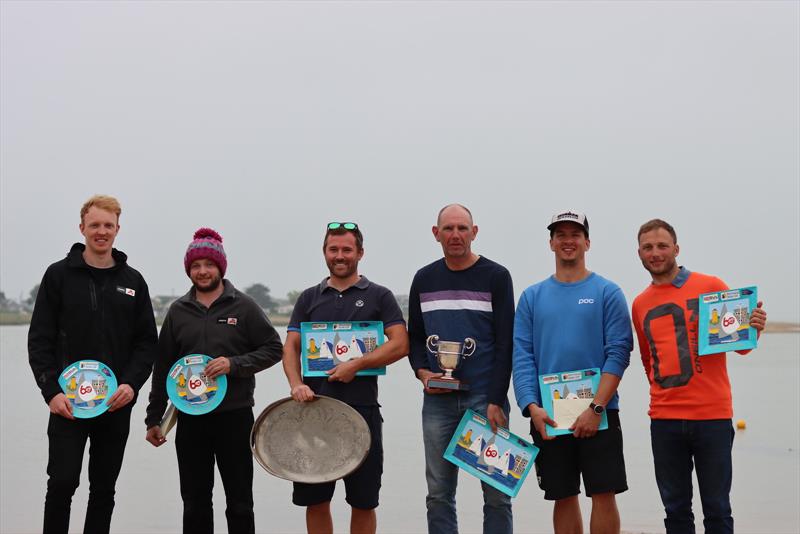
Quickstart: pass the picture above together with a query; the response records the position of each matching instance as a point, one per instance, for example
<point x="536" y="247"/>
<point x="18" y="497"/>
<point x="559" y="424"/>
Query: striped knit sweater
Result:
<point x="477" y="302"/>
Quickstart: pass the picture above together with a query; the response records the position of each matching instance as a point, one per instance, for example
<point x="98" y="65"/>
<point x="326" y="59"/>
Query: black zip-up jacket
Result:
<point x="234" y="326"/>
<point x="81" y="315"/>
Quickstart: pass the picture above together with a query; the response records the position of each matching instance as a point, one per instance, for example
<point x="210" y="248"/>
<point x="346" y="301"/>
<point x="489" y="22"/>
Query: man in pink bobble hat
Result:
<point x="215" y="319"/>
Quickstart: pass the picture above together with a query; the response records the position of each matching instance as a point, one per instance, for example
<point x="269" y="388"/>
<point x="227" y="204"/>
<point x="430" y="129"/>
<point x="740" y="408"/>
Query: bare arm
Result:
<point x="291" y="367"/>
<point x="394" y="349"/>
<point x="586" y="424"/>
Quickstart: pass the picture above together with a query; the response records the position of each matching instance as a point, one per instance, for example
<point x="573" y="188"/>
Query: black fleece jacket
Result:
<point x="234" y="326"/>
<point x="82" y="313"/>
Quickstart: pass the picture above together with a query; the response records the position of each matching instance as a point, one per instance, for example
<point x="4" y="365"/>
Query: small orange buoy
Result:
<point x="740" y="424"/>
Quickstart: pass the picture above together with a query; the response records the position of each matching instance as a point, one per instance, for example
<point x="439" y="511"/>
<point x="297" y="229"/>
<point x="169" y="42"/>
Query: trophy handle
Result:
<point x="469" y="347"/>
<point x="432" y="343"/>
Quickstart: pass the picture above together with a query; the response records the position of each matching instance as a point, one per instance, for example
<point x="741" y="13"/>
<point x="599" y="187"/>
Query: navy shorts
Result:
<point x="362" y="485"/>
<point x="599" y="459"/>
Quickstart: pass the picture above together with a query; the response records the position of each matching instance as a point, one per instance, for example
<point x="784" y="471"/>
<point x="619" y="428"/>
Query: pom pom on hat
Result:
<point x="207" y="244"/>
<point x="203" y="233"/>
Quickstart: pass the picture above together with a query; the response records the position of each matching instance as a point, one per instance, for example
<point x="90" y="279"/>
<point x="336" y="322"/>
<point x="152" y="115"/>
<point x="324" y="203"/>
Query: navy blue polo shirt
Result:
<point x="363" y="301"/>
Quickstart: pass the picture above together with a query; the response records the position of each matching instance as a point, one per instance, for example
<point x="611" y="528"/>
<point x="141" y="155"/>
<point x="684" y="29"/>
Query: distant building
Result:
<point x="161" y="304"/>
<point x="284" y="309"/>
<point x="204" y="378"/>
<point x="520" y="463"/>
<point x="100" y="386"/>
<point x="370" y="343"/>
<point x="402" y="301"/>
<point x="741" y="315"/>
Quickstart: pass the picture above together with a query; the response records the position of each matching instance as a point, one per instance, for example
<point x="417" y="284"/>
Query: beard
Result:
<point x="666" y="267"/>
<point x="350" y="268"/>
<point x="212" y="286"/>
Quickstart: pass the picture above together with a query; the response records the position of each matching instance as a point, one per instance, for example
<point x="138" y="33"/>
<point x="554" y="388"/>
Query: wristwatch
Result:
<point x="597" y="408"/>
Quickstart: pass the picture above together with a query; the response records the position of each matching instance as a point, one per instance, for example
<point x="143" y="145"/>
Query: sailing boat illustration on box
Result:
<point x="87" y="384"/>
<point x="356" y="348"/>
<point x="325" y="345"/>
<point x="190" y="389"/>
<point x="195" y="386"/>
<point x="493" y="459"/>
<point x="477" y="446"/>
<point x="341" y="352"/>
<point x="344" y="352"/>
<point x="724" y="322"/>
<point x="325" y="350"/>
<point x="500" y="459"/>
<point x="87" y="391"/>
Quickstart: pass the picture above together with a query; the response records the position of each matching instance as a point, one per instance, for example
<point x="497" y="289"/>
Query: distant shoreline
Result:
<point x="782" y="328"/>
<point x="18" y="318"/>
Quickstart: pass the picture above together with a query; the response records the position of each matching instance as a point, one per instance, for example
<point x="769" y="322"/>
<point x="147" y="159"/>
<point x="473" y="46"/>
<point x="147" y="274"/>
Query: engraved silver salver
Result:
<point x="313" y="442"/>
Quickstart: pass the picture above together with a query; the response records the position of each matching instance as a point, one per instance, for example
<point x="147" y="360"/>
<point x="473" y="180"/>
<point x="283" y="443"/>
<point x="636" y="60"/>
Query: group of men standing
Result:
<point x="92" y="304"/>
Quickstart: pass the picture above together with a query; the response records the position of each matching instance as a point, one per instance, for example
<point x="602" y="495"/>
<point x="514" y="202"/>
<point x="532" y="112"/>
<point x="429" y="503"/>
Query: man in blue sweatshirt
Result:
<point x="571" y="321"/>
<point x="459" y="296"/>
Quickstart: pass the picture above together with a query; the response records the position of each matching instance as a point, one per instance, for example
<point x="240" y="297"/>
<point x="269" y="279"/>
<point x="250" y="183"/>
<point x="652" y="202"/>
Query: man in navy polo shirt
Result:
<point x="346" y="296"/>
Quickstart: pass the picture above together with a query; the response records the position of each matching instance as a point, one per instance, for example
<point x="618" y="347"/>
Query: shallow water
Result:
<point x="766" y="482"/>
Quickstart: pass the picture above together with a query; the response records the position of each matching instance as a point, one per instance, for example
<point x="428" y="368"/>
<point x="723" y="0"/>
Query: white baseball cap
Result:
<point x="570" y="216"/>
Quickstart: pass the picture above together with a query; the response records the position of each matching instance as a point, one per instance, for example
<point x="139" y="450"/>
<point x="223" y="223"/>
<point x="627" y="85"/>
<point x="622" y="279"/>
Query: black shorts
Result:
<point x="362" y="485"/>
<point x="561" y="462"/>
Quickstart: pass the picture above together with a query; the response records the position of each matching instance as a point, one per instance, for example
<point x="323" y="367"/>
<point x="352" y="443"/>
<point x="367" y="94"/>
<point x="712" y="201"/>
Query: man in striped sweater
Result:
<point x="463" y="295"/>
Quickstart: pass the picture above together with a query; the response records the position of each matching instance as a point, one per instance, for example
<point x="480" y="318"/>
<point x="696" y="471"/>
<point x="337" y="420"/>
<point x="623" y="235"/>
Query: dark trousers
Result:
<point x="199" y="441"/>
<point x="678" y="447"/>
<point x="107" y="435"/>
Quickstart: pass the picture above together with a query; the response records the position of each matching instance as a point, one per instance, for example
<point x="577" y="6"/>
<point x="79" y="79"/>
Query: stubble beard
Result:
<point x="210" y="288"/>
<point x="347" y="274"/>
<point x="667" y="267"/>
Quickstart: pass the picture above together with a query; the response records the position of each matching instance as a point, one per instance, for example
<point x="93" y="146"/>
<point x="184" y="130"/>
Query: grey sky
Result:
<point x="267" y="120"/>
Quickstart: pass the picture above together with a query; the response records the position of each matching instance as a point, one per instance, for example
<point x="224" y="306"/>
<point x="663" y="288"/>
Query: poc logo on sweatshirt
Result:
<point x="585" y="301"/>
<point x="233" y="321"/>
<point x="127" y="291"/>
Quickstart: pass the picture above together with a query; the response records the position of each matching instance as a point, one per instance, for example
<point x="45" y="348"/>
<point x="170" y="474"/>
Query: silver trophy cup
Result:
<point x="449" y="355"/>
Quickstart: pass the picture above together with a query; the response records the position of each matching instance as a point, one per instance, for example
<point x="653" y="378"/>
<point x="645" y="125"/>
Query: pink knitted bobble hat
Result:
<point x="207" y="244"/>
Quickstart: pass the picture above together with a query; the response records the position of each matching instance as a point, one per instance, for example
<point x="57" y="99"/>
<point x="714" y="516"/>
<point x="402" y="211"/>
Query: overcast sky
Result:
<point x="267" y="120"/>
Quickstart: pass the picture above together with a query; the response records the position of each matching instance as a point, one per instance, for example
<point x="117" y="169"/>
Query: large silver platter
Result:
<point x="313" y="442"/>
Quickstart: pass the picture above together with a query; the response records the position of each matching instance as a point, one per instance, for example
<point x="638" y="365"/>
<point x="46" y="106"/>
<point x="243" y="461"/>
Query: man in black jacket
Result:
<point x="217" y="320"/>
<point x="90" y="305"/>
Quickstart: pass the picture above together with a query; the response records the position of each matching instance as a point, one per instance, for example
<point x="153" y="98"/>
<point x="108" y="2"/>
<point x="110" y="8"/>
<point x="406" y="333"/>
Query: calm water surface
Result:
<point x="765" y="495"/>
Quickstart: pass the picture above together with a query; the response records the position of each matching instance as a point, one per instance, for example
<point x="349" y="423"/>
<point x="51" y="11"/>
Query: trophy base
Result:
<point x="444" y="383"/>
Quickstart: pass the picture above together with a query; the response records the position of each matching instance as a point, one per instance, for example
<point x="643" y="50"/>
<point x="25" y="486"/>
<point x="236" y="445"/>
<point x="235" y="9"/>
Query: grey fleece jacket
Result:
<point x="234" y="326"/>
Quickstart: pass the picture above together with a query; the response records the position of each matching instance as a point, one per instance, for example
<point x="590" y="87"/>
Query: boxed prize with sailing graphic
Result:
<point x="88" y="384"/>
<point x="190" y="389"/>
<point x="566" y="395"/>
<point x="326" y="344"/>
<point x="724" y="322"/>
<point x="502" y="460"/>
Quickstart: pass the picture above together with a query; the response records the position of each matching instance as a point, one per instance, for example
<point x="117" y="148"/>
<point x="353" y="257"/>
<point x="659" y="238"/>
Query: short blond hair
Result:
<point x="103" y="202"/>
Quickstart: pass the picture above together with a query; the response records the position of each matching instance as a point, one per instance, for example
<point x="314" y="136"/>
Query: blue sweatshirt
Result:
<point x="477" y="302"/>
<point x="565" y="327"/>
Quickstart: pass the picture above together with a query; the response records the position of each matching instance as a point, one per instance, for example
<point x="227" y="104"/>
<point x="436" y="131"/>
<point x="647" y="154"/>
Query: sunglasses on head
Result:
<point x="345" y="225"/>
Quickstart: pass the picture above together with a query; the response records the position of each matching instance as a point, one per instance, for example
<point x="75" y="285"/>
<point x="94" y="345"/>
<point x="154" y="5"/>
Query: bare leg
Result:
<point x="318" y="518"/>
<point x="567" y="516"/>
<point x="363" y="521"/>
<point x="605" y="515"/>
